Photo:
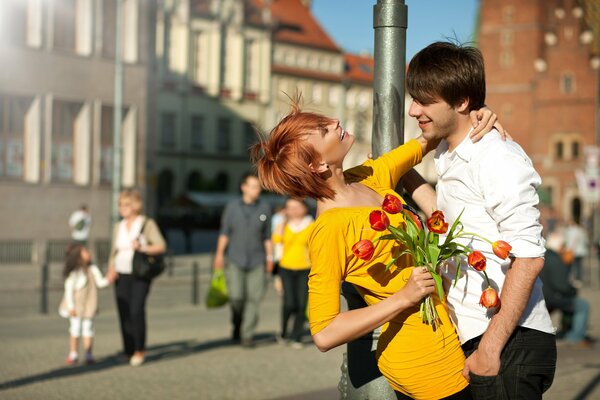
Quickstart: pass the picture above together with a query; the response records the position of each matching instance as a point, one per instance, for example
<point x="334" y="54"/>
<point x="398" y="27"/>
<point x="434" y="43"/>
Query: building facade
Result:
<point x="542" y="69"/>
<point x="56" y="107"/>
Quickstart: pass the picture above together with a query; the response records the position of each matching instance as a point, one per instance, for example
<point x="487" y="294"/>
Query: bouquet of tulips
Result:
<point x="426" y="249"/>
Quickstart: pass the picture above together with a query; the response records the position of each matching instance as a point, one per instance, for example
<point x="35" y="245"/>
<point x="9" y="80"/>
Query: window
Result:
<point x="506" y="58"/>
<point x="506" y="38"/>
<point x="221" y="182"/>
<point x="249" y="135"/>
<point x="64" y="117"/>
<point x="567" y="83"/>
<point x="13" y="22"/>
<point x="559" y="150"/>
<point x="168" y="129"/>
<point x="251" y="70"/>
<point x="13" y="111"/>
<point x="106" y="143"/>
<point x="197" y="132"/>
<point x="575" y="150"/>
<point x="317" y="94"/>
<point x="360" y="128"/>
<point x="200" y="59"/>
<point x="334" y="96"/>
<point x="65" y="24"/>
<point x="508" y="13"/>
<point x="194" y="181"/>
<point x="224" y="135"/>
<point x="129" y="29"/>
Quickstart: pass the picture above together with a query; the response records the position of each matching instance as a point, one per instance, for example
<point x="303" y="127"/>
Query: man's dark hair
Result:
<point x="249" y="174"/>
<point x="449" y="72"/>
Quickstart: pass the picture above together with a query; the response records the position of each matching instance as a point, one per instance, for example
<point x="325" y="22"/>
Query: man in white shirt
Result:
<point x="510" y="353"/>
<point x="80" y="223"/>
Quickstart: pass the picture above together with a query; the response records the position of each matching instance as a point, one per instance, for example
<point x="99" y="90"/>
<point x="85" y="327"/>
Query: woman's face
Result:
<point x="333" y="144"/>
<point x="85" y="255"/>
<point x="295" y="209"/>
<point x="126" y="208"/>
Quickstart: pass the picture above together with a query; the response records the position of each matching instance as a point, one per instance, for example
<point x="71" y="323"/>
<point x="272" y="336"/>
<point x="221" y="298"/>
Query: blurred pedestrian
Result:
<point x="278" y="219"/>
<point x="294" y="267"/>
<point x="80" y="300"/>
<point x="80" y="223"/>
<point x="246" y="236"/>
<point x="561" y="295"/>
<point x="135" y="232"/>
<point x="576" y="242"/>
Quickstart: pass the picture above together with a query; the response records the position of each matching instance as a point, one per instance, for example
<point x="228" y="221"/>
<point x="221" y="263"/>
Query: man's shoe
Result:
<point x="248" y="343"/>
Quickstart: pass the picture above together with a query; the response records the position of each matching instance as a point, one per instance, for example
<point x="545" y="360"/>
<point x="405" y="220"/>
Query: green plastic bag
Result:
<point x="217" y="293"/>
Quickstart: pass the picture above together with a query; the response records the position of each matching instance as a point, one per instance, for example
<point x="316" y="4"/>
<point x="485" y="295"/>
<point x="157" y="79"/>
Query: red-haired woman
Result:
<point x="302" y="157"/>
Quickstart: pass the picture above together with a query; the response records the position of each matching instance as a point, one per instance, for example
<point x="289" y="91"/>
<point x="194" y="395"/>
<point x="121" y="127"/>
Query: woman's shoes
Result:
<point x="136" y="360"/>
<point x="71" y="360"/>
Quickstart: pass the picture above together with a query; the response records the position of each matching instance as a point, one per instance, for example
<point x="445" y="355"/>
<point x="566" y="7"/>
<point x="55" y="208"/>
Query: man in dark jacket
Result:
<point x="561" y="294"/>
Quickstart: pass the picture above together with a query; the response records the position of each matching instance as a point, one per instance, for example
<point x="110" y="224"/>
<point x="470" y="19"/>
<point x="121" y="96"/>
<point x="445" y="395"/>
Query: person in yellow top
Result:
<point x="302" y="157"/>
<point x="294" y="267"/>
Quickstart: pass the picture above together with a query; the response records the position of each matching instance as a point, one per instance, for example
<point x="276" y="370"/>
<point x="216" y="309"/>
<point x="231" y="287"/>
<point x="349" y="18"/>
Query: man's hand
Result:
<point x="270" y="265"/>
<point x="482" y="364"/>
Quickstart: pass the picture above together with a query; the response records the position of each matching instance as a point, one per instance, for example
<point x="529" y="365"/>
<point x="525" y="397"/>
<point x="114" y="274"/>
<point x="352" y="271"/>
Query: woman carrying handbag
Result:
<point x="131" y="291"/>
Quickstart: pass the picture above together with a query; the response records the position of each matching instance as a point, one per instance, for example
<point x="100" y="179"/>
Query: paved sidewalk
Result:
<point x="190" y="356"/>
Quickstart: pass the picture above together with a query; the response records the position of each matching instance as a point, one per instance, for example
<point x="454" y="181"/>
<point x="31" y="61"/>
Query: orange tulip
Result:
<point x="501" y="249"/>
<point x="379" y="220"/>
<point x="489" y="298"/>
<point x="436" y="223"/>
<point x="363" y="249"/>
<point x="477" y="260"/>
<point x="392" y="204"/>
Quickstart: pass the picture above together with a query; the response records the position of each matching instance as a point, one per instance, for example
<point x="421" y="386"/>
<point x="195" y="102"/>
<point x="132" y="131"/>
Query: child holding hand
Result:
<point x="80" y="300"/>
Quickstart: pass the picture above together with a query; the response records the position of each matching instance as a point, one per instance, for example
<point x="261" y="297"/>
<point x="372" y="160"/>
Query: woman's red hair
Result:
<point x="283" y="158"/>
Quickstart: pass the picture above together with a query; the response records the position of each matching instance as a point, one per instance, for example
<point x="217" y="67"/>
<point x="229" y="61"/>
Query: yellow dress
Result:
<point x="415" y="360"/>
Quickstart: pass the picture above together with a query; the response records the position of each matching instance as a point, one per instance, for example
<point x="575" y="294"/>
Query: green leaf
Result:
<point x="450" y="235"/>
<point x="392" y="261"/>
<point x="457" y="276"/>
<point x="438" y="285"/>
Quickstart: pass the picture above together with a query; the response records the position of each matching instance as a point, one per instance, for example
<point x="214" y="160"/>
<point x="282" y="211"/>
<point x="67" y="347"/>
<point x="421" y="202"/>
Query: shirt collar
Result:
<point x="465" y="149"/>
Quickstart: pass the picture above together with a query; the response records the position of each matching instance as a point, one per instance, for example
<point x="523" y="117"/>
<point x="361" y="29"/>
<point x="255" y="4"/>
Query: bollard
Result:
<point x="195" y="293"/>
<point x="170" y="266"/>
<point x="44" y="288"/>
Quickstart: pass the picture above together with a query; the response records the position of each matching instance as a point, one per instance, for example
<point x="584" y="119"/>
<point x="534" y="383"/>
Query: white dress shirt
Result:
<point x="494" y="182"/>
<point x="124" y="244"/>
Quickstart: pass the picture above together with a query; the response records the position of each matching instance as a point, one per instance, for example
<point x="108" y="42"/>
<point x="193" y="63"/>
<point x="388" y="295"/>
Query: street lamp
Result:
<point x="117" y="115"/>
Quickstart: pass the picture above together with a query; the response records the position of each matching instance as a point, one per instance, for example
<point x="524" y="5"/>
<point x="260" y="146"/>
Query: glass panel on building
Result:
<point x="224" y="134"/>
<point x="197" y="132"/>
<point x="64" y="115"/>
<point x="13" y="110"/>
<point x="64" y="24"/>
<point x="168" y="129"/>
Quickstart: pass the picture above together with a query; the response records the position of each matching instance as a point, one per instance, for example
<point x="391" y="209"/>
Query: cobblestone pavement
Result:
<point x="189" y="354"/>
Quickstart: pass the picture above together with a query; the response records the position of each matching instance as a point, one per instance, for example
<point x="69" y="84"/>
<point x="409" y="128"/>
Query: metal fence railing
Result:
<point x="16" y="251"/>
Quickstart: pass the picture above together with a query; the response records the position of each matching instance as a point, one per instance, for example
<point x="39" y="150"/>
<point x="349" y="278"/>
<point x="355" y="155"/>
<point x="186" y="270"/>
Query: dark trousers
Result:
<point x="527" y="366"/>
<point x="295" y="298"/>
<point x="131" y="294"/>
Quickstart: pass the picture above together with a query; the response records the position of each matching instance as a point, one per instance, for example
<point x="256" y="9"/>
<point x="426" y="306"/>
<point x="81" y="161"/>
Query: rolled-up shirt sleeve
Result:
<point x="510" y="187"/>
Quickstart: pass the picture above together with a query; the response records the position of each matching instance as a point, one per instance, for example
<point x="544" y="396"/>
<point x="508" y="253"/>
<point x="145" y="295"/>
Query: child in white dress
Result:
<point x="80" y="301"/>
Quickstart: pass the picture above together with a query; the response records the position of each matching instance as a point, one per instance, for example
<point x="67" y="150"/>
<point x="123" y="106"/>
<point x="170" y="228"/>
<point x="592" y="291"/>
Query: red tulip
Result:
<point x="501" y="249"/>
<point x="379" y="220"/>
<point x="392" y="204"/>
<point x="436" y="222"/>
<point x="477" y="260"/>
<point x="489" y="298"/>
<point x="416" y="220"/>
<point x="363" y="249"/>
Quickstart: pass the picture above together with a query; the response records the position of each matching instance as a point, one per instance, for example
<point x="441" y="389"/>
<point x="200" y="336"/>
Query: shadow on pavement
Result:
<point x="589" y="388"/>
<point x="159" y="352"/>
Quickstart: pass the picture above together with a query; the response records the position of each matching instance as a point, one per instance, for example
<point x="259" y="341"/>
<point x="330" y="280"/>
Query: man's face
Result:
<point x="437" y="120"/>
<point x="251" y="188"/>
